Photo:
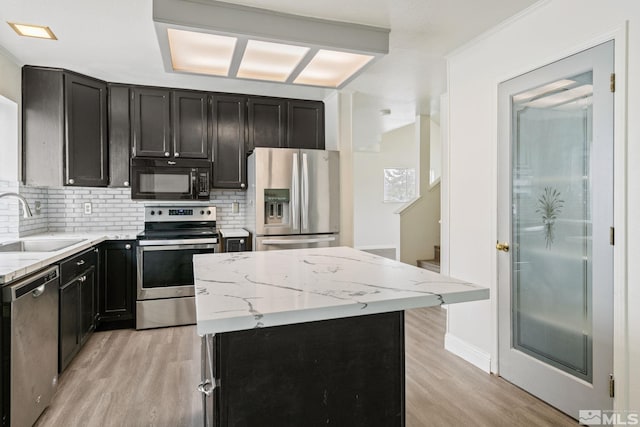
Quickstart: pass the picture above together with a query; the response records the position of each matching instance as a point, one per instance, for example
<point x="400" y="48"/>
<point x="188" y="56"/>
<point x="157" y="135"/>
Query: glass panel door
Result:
<point x="555" y="210"/>
<point x="551" y="234"/>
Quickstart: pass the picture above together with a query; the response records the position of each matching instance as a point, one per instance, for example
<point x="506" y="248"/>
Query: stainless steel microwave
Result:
<point x="175" y="179"/>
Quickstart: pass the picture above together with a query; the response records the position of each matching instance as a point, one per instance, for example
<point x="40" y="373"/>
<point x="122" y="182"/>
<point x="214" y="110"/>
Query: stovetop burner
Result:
<point x="179" y="222"/>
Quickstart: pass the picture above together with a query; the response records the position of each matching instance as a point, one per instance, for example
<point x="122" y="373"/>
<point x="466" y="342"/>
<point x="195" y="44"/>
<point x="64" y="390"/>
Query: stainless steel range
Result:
<point x="171" y="236"/>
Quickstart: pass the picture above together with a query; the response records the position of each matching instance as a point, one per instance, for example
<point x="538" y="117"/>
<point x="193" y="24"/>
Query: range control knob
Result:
<point x="208" y="212"/>
<point x="159" y="212"/>
<point x="201" y="212"/>
<point x="153" y="212"/>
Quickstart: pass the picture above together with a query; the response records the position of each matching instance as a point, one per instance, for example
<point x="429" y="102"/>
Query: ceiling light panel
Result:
<point x="331" y="68"/>
<point x="561" y="97"/>
<point x="37" y="31"/>
<point x="201" y="53"/>
<point x="542" y="90"/>
<point x="270" y="61"/>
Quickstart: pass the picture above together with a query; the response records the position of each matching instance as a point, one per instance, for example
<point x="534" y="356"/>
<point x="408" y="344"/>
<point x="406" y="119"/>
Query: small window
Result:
<point x="399" y="185"/>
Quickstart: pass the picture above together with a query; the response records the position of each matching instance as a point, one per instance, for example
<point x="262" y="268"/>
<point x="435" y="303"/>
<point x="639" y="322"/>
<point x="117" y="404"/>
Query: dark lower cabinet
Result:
<point x="77" y="310"/>
<point x="229" y="160"/>
<point x="117" y="285"/>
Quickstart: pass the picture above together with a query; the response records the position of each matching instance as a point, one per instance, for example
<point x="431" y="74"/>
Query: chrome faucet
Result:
<point x="26" y="210"/>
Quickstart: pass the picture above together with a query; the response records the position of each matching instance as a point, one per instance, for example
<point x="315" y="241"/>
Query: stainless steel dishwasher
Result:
<point x="30" y="336"/>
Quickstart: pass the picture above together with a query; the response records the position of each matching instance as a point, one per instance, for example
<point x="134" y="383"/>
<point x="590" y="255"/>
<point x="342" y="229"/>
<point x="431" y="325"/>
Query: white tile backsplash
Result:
<point x="62" y="210"/>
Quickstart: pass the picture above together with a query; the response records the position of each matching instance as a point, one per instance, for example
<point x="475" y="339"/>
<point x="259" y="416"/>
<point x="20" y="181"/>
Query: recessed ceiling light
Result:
<point x="201" y="53"/>
<point x="270" y="61"/>
<point x="332" y="68"/>
<point x="29" y="30"/>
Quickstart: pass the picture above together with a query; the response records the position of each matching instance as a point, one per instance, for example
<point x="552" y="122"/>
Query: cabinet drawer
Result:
<point x="72" y="267"/>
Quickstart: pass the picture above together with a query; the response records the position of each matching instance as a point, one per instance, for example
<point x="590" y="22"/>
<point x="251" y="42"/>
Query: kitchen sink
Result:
<point x="46" y="245"/>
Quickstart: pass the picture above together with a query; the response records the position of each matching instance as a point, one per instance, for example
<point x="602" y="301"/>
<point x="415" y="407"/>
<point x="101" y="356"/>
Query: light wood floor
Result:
<point x="148" y="378"/>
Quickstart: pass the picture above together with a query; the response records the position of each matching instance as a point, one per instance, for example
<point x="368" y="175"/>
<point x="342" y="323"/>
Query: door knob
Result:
<point x="504" y="247"/>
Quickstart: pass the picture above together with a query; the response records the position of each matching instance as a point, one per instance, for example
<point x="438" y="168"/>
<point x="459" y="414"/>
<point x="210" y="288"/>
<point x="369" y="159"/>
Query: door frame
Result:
<point x="620" y="329"/>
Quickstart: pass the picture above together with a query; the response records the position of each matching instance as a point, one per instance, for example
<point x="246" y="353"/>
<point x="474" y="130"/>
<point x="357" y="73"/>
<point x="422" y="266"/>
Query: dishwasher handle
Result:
<point x="34" y="284"/>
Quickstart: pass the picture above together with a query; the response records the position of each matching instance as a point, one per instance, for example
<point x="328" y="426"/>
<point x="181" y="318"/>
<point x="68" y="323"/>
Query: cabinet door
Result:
<point x="69" y="339"/>
<point x="117" y="281"/>
<point x="267" y="122"/>
<point x="86" y="131"/>
<point x="305" y="127"/>
<point x="150" y="122"/>
<point x="190" y="120"/>
<point x="119" y="135"/>
<point x="229" y="161"/>
<point x="235" y="244"/>
<point x="87" y="307"/>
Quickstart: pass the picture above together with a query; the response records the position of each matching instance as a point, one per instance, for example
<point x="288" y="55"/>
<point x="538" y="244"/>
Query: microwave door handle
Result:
<point x="295" y="193"/>
<point x="194" y="186"/>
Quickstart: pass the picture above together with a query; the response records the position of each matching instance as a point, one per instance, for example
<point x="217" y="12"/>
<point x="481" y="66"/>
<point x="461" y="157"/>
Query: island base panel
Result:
<point x="340" y="372"/>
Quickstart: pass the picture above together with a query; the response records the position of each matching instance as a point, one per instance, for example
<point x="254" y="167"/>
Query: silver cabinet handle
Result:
<point x="127" y="246"/>
<point x="126" y="183"/>
<point x="242" y="185"/>
<point x="176" y="155"/>
<point x="171" y="163"/>
<point x="79" y="263"/>
<point x="72" y="181"/>
<point x="166" y="154"/>
<point x="242" y="241"/>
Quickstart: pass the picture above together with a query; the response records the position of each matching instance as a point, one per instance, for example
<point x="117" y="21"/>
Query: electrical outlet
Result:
<point x="87" y="208"/>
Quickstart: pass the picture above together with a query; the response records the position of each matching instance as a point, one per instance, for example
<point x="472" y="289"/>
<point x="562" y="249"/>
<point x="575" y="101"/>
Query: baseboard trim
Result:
<point x="468" y="352"/>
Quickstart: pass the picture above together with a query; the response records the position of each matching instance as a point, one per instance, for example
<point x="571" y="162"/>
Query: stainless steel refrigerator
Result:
<point x="293" y="198"/>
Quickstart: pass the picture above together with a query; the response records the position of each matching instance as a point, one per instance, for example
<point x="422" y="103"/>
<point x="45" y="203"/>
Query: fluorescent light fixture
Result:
<point x="541" y="90"/>
<point x="270" y="61"/>
<point x="561" y="97"/>
<point x="29" y="30"/>
<point x="201" y="53"/>
<point x="331" y="68"/>
<point x="260" y="44"/>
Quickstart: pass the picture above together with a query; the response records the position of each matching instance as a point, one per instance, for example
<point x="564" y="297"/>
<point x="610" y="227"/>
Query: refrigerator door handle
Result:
<point x="295" y="194"/>
<point x="297" y="241"/>
<point x="305" y="192"/>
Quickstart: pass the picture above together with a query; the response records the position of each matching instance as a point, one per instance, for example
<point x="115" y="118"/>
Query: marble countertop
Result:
<point x="245" y="290"/>
<point x="14" y="265"/>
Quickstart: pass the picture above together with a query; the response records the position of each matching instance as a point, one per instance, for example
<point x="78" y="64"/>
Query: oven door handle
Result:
<point x="190" y="243"/>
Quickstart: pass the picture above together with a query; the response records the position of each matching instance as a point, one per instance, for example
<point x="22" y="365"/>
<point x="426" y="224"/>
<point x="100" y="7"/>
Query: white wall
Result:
<point x="549" y="31"/>
<point x="375" y="223"/>
<point x="10" y="82"/>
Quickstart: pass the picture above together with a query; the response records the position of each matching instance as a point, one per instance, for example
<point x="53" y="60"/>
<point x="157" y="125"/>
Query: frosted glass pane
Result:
<point x="552" y="256"/>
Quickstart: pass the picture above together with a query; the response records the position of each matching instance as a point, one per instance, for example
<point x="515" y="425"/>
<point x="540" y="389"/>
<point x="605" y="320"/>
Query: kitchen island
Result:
<point x="309" y="336"/>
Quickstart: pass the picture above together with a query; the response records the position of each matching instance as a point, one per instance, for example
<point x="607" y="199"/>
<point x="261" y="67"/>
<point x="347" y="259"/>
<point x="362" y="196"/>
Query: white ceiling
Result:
<point x="115" y="40"/>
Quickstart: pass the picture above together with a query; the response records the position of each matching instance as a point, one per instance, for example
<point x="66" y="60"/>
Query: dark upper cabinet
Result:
<point x="64" y="128"/>
<point x="150" y="122"/>
<point x="267" y="119"/>
<point x="229" y="160"/>
<point x="190" y="120"/>
<point x="305" y="128"/>
<point x="116" y="289"/>
<point x="119" y="135"/>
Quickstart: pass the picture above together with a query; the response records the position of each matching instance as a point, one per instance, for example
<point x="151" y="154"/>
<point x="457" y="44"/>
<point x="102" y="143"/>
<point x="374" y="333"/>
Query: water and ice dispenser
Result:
<point x="276" y="206"/>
